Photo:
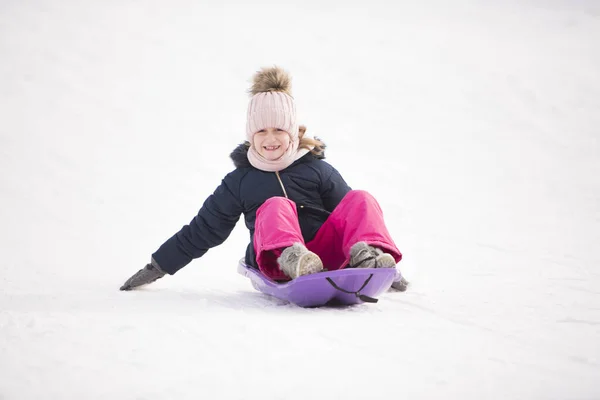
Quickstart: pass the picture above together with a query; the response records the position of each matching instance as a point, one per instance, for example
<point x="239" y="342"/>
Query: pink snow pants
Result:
<point x="358" y="218"/>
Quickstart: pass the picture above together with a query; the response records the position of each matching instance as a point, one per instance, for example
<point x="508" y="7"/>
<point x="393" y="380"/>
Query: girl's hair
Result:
<point x="318" y="147"/>
<point x="306" y="143"/>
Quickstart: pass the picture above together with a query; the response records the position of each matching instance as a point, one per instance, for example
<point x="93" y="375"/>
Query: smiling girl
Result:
<point x="302" y="216"/>
<point x="271" y="143"/>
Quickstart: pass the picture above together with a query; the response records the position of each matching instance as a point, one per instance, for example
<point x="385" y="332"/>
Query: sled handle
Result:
<point x="363" y="297"/>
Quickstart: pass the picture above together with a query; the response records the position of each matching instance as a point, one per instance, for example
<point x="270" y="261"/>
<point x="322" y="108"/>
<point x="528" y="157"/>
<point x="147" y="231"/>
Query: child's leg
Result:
<point x="276" y="227"/>
<point x="358" y="218"/>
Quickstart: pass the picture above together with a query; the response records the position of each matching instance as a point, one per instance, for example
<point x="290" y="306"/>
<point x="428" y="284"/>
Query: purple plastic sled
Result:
<point x="345" y="286"/>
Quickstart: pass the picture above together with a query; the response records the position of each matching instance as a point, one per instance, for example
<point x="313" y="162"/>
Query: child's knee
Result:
<point x="354" y="195"/>
<point x="276" y="202"/>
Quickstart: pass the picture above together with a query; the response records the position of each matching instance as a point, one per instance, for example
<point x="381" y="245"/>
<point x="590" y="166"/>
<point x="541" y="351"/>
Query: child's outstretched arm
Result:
<point x="213" y="224"/>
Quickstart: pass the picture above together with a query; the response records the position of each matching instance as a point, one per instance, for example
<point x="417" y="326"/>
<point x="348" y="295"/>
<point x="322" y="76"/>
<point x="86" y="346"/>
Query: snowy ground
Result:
<point x="476" y="125"/>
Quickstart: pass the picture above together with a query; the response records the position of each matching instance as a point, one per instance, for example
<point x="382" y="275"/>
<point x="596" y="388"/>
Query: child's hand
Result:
<point x="146" y="275"/>
<point x="401" y="285"/>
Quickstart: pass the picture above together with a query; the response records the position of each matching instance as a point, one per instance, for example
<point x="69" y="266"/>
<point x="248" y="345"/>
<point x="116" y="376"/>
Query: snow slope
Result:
<point x="475" y="124"/>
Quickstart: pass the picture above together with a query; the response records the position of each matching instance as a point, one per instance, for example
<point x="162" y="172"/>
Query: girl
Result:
<point x="301" y="214"/>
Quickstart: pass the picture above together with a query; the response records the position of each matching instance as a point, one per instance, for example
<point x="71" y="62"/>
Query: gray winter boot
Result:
<point x="297" y="260"/>
<point x="364" y="256"/>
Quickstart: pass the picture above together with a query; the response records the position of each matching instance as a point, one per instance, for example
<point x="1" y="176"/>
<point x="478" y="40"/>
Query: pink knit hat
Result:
<point x="272" y="106"/>
<point x="271" y="110"/>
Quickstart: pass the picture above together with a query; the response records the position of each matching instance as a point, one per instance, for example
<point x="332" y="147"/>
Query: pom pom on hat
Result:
<point x="272" y="79"/>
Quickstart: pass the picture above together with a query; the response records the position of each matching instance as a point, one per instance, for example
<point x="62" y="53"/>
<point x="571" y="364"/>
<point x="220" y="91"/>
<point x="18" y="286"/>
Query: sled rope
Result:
<point x="363" y="297"/>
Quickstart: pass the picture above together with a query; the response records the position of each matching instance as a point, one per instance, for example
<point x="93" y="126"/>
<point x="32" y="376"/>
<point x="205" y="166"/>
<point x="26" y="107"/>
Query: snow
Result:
<point x="474" y="123"/>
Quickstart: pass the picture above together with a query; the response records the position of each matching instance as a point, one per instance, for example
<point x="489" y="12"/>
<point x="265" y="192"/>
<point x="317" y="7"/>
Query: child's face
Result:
<point x="271" y="143"/>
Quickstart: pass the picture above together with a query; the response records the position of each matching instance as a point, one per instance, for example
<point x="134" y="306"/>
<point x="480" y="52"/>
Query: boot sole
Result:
<point x="309" y="263"/>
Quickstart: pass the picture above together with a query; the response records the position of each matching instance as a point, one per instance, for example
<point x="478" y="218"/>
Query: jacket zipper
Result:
<point x="281" y="183"/>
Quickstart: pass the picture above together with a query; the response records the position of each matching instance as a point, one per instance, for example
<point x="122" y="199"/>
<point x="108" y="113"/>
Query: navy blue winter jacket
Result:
<point x="313" y="184"/>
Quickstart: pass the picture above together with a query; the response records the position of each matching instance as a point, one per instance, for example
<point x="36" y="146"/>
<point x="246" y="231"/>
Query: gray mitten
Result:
<point x="400" y="285"/>
<point x="148" y="274"/>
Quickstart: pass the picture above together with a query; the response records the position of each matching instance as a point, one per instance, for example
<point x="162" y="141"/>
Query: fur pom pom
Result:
<point x="273" y="79"/>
